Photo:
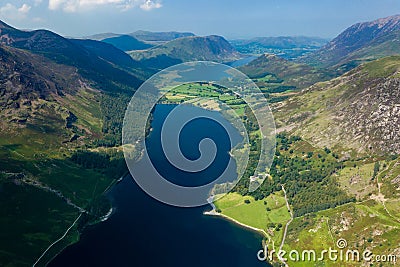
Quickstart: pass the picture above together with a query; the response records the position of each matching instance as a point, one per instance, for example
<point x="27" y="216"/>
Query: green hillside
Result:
<point x="350" y="112"/>
<point x="211" y="48"/>
<point x="126" y="43"/>
<point x="268" y="70"/>
<point x="56" y="155"/>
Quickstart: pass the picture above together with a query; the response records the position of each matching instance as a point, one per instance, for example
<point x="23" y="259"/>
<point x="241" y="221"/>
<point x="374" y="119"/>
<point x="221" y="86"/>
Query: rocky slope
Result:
<point x="361" y="37"/>
<point x="358" y="112"/>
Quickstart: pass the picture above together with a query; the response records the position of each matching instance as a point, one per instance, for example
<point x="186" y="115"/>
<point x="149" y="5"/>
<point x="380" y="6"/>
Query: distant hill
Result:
<point x="91" y="65"/>
<point x="288" y="47"/>
<point x="107" y="52"/>
<point x="286" y="41"/>
<point x="101" y="36"/>
<point x="213" y="48"/>
<point x="127" y="43"/>
<point x="291" y="73"/>
<point x="145" y="36"/>
<point x="358" y="111"/>
<point x="159" y="36"/>
<point x="359" y="43"/>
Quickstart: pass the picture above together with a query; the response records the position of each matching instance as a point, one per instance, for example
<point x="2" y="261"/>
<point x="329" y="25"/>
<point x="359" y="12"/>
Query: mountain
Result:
<point x="359" y="43"/>
<point x="354" y="113"/>
<point x="101" y="36"/>
<point x="292" y="74"/>
<point x="288" y="47"/>
<point x="69" y="52"/>
<point x="160" y="36"/>
<point x="25" y="77"/>
<point x="34" y="91"/>
<point x="126" y="43"/>
<point x="62" y="104"/>
<point x="212" y="48"/>
<point x="113" y="55"/>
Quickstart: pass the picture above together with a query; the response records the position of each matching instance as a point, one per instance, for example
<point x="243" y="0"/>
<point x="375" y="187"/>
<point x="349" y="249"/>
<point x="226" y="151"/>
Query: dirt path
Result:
<point x="381" y="198"/>
<point x="286" y="227"/>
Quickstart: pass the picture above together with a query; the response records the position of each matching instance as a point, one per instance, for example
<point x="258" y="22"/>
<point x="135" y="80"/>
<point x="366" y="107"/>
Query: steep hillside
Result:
<point x="357" y="112"/>
<point x="386" y="45"/>
<point x="55" y="121"/>
<point x="126" y="43"/>
<point x="116" y="57"/>
<point x="107" y="52"/>
<point x="213" y="48"/>
<point x="290" y="73"/>
<point x="27" y="76"/>
<point x="360" y="39"/>
<point x="68" y="52"/>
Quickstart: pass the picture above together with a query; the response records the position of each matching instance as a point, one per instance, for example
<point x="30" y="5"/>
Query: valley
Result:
<point x="336" y="108"/>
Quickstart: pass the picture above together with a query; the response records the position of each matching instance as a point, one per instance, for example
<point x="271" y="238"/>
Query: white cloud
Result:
<point x="79" y="5"/>
<point x="24" y="9"/>
<point x="149" y="5"/>
<point x="11" y="12"/>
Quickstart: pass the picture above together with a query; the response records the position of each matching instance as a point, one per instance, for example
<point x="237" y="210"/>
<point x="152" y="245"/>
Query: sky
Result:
<point x="232" y="19"/>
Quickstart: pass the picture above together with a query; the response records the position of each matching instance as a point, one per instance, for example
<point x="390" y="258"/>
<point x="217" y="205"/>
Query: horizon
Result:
<point x="195" y="34"/>
<point x="238" y="20"/>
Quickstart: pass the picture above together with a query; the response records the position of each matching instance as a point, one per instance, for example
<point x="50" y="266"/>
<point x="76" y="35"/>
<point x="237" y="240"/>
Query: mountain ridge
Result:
<point x="69" y="52"/>
<point x="127" y="43"/>
<point x="211" y="48"/>
<point x="353" y="38"/>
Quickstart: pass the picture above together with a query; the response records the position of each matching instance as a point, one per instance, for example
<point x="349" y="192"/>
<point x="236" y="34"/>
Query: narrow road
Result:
<point x="286" y="228"/>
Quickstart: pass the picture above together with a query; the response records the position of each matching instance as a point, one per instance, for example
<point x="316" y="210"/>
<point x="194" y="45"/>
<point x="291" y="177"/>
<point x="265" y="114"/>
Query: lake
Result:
<point x="145" y="232"/>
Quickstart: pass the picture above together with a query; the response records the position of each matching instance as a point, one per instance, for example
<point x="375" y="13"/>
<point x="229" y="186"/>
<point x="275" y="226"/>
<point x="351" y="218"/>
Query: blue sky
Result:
<point x="229" y="18"/>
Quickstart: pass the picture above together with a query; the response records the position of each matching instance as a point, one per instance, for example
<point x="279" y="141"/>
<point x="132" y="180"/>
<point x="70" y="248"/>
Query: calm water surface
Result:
<point x="145" y="232"/>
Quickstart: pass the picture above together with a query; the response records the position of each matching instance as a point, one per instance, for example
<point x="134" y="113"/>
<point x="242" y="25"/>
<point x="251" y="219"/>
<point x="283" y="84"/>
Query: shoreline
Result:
<point x="57" y="241"/>
<point x="100" y="220"/>
<point x="254" y="229"/>
<point x="108" y="215"/>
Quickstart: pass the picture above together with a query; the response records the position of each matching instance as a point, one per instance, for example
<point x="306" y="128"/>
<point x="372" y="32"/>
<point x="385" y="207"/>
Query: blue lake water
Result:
<point x="145" y="232"/>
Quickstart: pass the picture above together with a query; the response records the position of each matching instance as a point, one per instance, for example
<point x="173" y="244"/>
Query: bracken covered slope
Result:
<point x="359" y="111"/>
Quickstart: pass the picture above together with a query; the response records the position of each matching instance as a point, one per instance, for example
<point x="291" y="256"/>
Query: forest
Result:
<point x="305" y="174"/>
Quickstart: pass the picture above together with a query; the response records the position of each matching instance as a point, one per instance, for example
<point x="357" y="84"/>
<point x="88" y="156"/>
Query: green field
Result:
<point x="266" y="214"/>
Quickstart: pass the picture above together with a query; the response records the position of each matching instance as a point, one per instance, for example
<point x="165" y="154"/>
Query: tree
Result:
<point x="376" y="169"/>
